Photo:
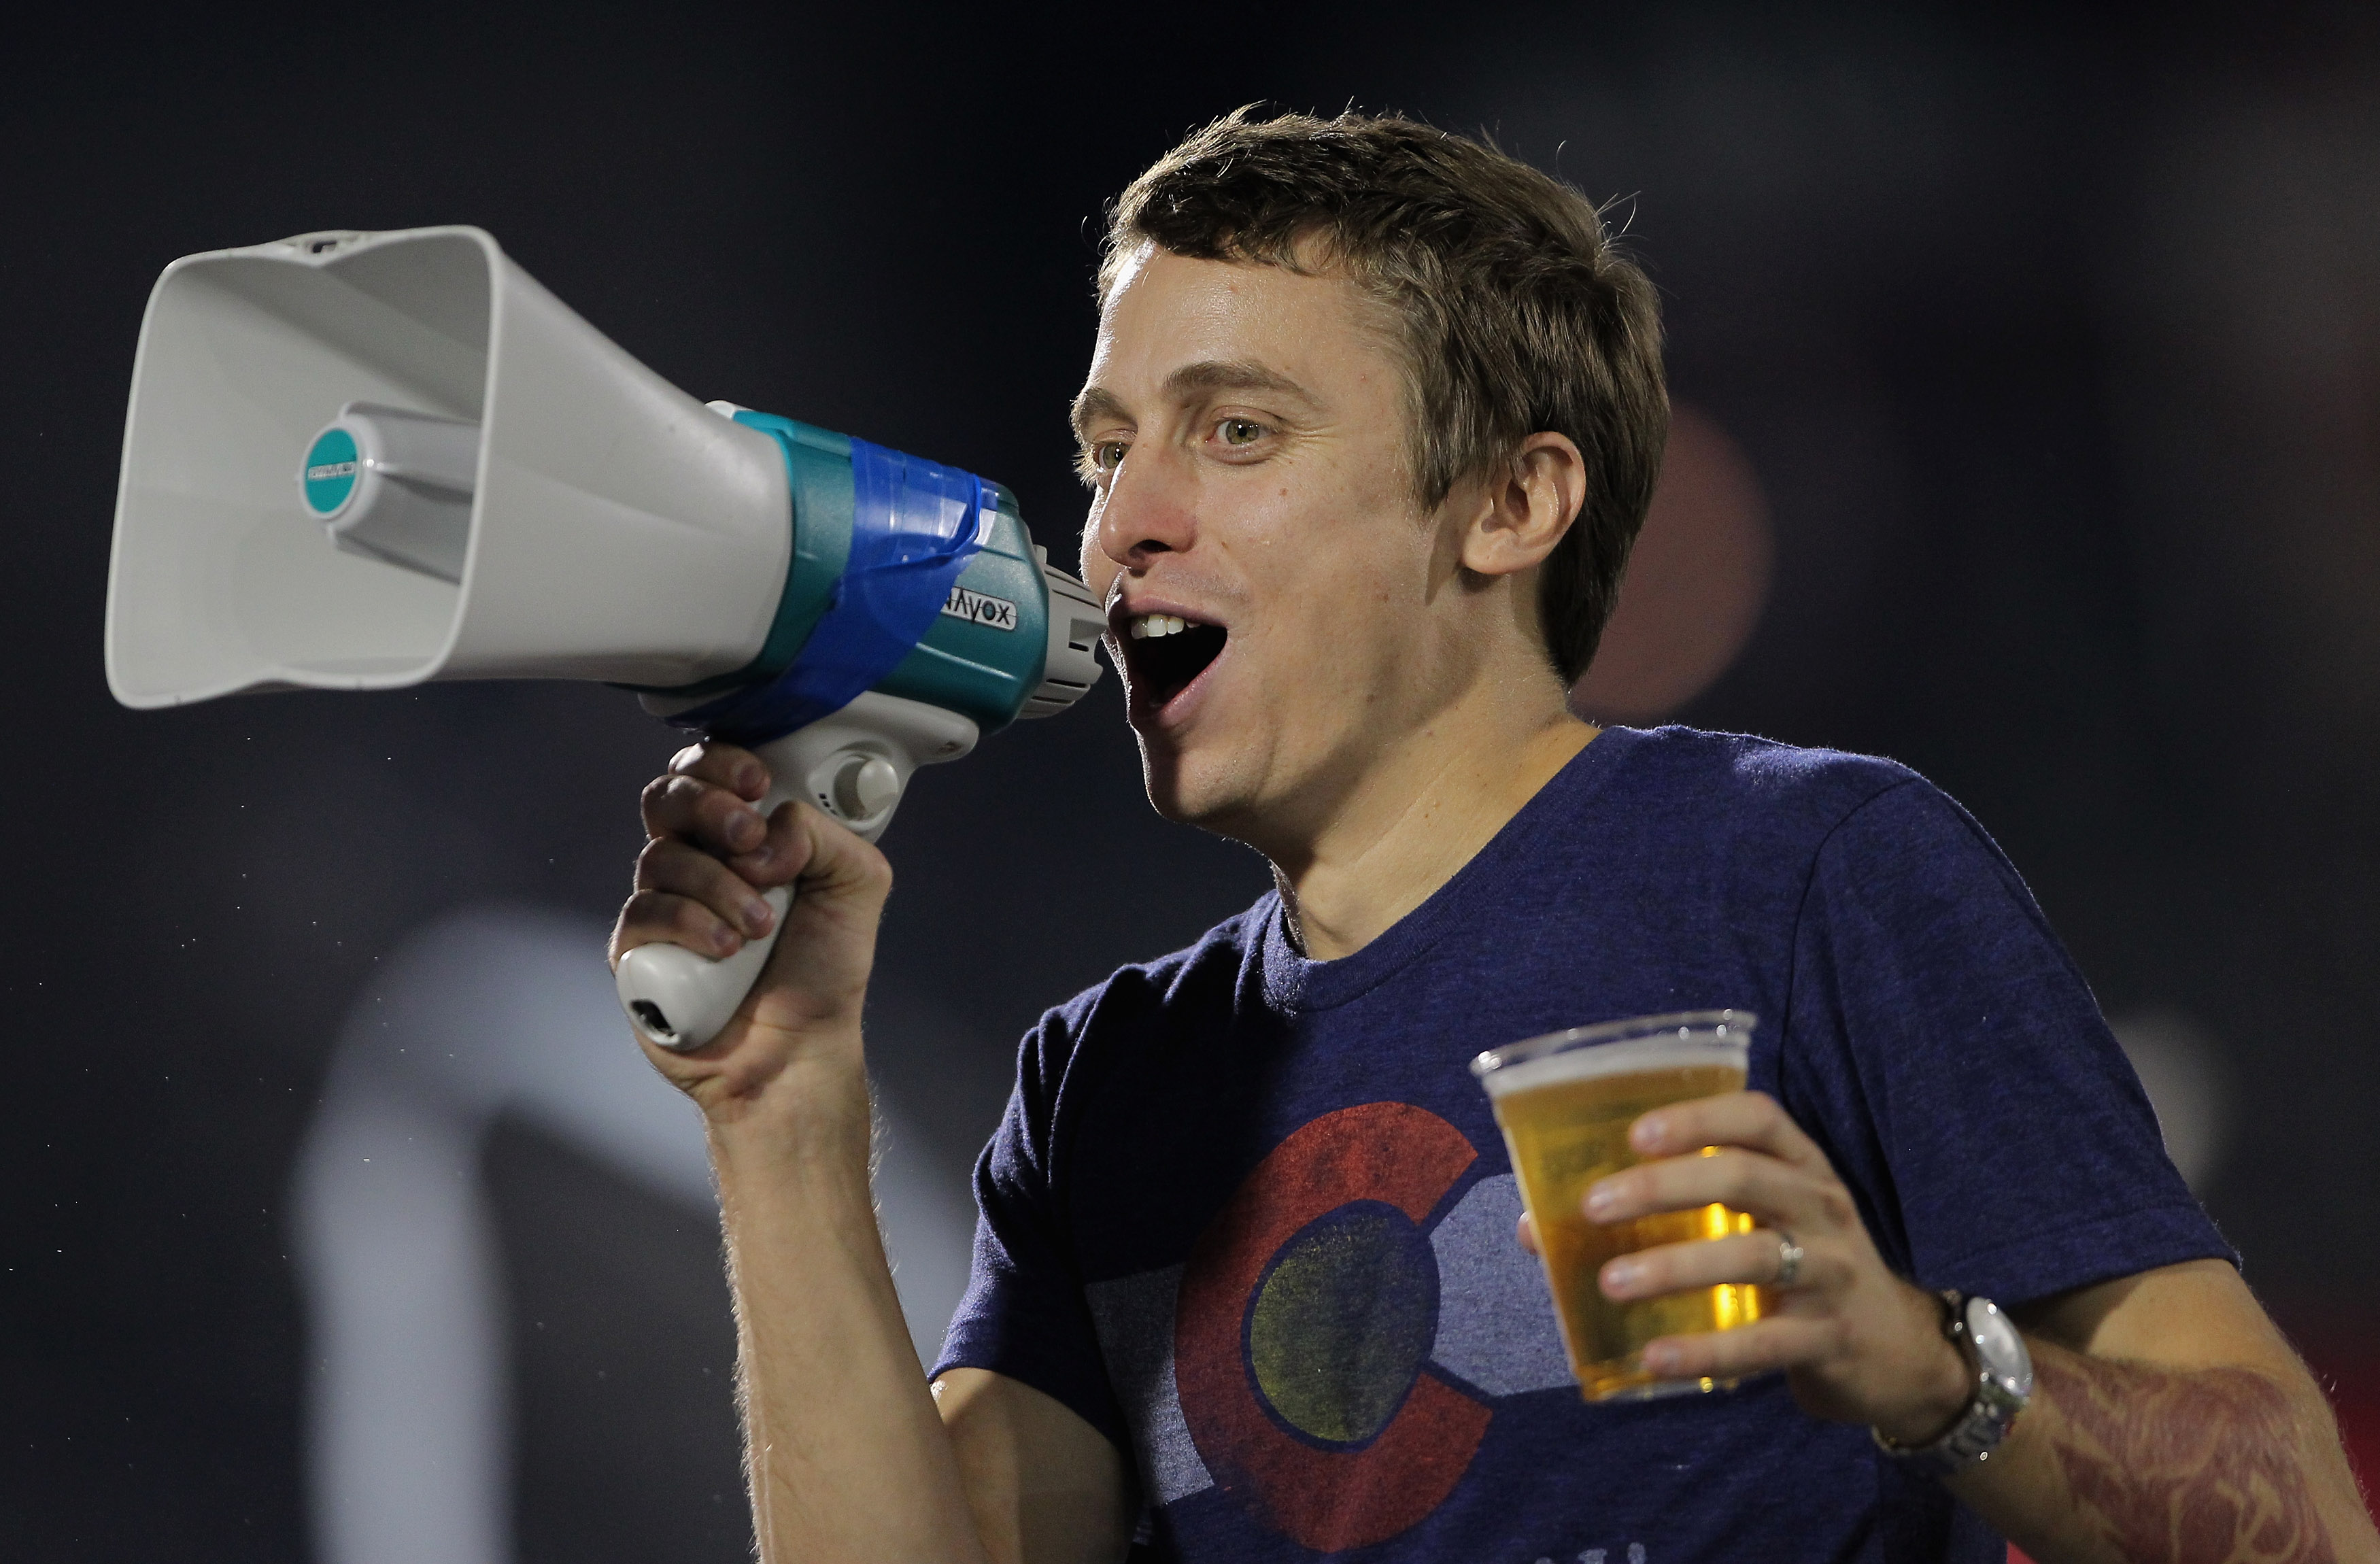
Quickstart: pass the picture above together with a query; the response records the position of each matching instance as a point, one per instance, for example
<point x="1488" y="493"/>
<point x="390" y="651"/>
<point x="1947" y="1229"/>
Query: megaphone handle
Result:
<point x="680" y="998"/>
<point x="852" y="766"/>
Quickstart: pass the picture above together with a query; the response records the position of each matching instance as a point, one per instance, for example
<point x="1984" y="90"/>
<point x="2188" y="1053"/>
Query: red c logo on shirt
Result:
<point x="1368" y="1488"/>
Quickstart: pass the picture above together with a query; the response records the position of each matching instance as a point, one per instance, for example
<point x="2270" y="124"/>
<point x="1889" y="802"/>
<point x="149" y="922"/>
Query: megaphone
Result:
<point x="362" y="461"/>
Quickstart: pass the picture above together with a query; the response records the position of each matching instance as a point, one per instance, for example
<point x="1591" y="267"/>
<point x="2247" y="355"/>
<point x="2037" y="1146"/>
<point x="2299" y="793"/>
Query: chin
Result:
<point x="1194" y="790"/>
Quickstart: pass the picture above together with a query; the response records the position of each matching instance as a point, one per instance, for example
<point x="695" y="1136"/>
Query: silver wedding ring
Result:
<point x="1788" y="1260"/>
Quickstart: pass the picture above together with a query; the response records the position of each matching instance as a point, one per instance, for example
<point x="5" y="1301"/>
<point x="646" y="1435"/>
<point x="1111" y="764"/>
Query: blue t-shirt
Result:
<point x="1249" y="1214"/>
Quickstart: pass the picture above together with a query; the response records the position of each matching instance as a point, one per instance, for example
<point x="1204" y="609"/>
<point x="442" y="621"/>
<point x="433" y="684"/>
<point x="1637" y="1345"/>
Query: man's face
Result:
<point x="1242" y="426"/>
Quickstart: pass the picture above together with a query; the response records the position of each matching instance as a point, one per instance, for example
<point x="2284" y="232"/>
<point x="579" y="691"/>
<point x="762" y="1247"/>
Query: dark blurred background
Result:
<point x="2036" y="356"/>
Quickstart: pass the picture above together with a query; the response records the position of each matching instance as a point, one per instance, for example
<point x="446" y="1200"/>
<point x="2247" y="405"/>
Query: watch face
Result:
<point x="1999" y="1347"/>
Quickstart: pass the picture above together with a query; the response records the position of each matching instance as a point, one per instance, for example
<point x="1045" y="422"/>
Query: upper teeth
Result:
<point x="1143" y="625"/>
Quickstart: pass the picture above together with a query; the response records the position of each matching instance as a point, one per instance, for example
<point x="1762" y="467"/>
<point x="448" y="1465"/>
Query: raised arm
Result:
<point x="847" y="1456"/>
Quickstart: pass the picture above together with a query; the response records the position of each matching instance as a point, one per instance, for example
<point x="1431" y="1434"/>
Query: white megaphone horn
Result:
<point x="361" y="461"/>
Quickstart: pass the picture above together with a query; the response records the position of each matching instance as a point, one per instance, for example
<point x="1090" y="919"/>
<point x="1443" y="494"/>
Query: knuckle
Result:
<point x="666" y="865"/>
<point x="646" y="909"/>
<point x="671" y="799"/>
<point x="721" y="810"/>
<point x="1733" y="1173"/>
<point x="689" y="916"/>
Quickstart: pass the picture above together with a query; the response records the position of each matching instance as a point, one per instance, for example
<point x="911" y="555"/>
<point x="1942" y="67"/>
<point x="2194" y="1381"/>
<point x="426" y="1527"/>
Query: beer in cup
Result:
<point x="1565" y="1102"/>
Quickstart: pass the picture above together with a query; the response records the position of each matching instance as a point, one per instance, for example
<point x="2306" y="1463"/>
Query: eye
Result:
<point x="1240" y="432"/>
<point x="1101" y="458"/>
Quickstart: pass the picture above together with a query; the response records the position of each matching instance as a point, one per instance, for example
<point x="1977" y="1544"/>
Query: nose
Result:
<point x="1147" y="510"/>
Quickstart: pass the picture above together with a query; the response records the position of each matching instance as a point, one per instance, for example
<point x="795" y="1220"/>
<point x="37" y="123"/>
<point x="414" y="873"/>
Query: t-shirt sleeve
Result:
<point x="1943" y="1047"/>
<point x="1025" y="1314"/>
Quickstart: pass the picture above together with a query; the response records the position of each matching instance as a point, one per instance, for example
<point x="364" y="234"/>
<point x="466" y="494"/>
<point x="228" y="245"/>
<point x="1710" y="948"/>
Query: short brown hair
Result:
<point x="1516" y="310"/>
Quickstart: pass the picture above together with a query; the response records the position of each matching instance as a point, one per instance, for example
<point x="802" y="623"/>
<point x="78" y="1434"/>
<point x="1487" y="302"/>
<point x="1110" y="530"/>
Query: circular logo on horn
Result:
<point x="329" y="476"/>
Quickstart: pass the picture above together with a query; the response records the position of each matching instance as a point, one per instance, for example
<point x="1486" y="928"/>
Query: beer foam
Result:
<point x="1696" y="1050"/>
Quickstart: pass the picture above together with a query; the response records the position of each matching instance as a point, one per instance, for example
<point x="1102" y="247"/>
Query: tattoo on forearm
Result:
<point x="2202" y="1467"/>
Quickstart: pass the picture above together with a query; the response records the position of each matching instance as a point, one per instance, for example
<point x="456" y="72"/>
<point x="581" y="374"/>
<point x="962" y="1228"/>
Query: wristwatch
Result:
<point x="2003" y="1378"/>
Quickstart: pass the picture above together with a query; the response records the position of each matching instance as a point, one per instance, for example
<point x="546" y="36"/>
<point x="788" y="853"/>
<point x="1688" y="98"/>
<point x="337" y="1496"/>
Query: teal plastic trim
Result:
<point x="977" y="665"/>
<point x="818" y="472"/>
<point x="817" y="462"/>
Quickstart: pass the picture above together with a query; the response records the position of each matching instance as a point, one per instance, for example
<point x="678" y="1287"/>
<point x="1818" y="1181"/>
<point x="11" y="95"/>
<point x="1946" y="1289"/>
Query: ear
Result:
<point x="1525" y="509"/>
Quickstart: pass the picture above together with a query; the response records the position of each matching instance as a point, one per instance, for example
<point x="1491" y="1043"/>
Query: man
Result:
<point x="1372" y="417"/>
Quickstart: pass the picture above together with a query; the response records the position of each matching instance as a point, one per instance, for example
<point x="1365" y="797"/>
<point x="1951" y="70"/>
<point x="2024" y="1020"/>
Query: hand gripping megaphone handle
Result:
<point x="852" y="766"/>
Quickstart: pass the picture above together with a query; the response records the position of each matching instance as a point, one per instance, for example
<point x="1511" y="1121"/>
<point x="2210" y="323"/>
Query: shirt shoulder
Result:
<point x="1075" y="1039"/>
<point x="1785" y="782"/>
<point x="1746" y="808"/>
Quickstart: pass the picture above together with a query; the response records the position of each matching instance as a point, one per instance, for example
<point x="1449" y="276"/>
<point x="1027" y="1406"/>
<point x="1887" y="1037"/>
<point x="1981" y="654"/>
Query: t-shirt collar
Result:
<point x="1292" y="983"/>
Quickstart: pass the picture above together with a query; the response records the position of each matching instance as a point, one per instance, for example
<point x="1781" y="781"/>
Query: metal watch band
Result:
<point x="1990" y="1412"/>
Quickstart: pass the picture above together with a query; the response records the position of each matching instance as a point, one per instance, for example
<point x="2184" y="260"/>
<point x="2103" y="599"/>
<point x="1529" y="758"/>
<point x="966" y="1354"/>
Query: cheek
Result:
<point x="1091" y="563"/>
<point x="1336" y="618"/>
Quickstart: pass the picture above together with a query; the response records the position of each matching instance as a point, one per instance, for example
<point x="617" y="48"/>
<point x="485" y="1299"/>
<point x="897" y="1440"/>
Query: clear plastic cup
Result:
<point x="1565" y="1102"/>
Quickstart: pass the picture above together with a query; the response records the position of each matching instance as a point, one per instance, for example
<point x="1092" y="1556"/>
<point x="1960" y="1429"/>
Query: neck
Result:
<point x="1423" y="810"/>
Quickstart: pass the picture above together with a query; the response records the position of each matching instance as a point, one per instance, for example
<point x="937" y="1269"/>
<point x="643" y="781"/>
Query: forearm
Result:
<point x="846" y="1456"/>
<point x="2118" y="1461"/>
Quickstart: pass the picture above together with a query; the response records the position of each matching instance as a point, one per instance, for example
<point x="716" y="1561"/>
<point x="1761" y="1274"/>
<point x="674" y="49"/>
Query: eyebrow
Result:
<point x="1206" y="377"/>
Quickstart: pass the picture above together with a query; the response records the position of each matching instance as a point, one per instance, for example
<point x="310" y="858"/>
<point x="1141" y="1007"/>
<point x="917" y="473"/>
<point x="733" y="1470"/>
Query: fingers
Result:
<point x="1741" y="1259"/>
<point x="686" y="895"/>
<point x="1526" y="1232"/>
<point x="789" y="848"/>
<point x="1738" y="1149"/>
<point x="653" y="918"/>
<point x="715" y="819"/>
<point x="1780" y="1194"/>
<point x="707" y="799"/>
<point x="1752" y="1120"/>
<point x="1777" y="1341"/>
<point x="672" y="866"/>
<point x="725" y="765"/>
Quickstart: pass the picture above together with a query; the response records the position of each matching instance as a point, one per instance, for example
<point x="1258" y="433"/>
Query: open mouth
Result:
<point x="1164" y="653"/>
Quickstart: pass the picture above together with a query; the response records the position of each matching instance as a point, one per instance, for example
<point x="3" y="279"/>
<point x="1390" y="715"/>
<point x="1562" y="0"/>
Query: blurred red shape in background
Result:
<point x="1695" y="582"/>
